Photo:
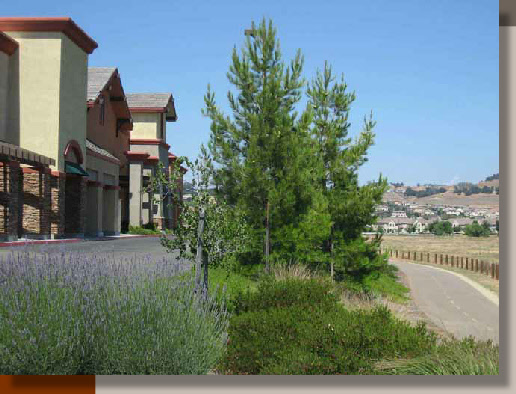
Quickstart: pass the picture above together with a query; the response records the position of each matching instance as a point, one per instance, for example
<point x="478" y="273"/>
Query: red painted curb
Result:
<point x="40" y="241"/>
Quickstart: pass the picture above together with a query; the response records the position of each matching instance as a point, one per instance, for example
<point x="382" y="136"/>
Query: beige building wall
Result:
<point x="72" y="91"/>
<point x="103" y="215"/>
<point x="48" y="109"/>
<point x="4" y="87"/>
<point x="145" y="125"/>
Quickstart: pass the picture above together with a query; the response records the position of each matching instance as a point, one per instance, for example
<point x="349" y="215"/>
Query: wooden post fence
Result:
<point x="469" y="264"/>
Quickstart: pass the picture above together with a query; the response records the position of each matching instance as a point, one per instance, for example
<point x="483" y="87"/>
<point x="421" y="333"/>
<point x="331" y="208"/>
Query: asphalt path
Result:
<point x="452" y="303"/>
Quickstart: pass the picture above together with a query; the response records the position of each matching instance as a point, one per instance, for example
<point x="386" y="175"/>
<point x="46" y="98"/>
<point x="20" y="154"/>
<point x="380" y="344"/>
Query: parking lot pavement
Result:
<point x="121" y="248"/>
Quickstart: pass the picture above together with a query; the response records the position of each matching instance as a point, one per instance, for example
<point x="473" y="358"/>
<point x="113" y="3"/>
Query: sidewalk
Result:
<point x="25" y="241"/>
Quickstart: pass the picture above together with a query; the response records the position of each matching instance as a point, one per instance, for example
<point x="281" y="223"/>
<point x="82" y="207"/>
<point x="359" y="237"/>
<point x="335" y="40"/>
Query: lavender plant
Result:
<point x="78" y="314"/>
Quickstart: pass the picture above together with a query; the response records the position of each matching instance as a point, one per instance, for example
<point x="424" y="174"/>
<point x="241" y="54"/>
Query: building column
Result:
<point x="135" y="192"/>
<point x="36" y="203"/>
<point x="94" y="202"/>
<point x="57" y="203"/>
<point x="75" y="205"/>
<point x="147" y="206"/>
<point x="9" y="200"/>
<point x="111" y="210"/>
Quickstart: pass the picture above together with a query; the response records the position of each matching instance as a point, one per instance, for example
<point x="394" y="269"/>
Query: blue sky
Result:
<point x="427" y="69"/>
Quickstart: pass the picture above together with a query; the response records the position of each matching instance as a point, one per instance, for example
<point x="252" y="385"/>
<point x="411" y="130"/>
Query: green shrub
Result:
<point x="277" y="294"/>
<point x="137" y="230"/>
<point x="382" y="283"/>
<point x="298" y="340"/>
<point x="229" y="285"/>
<point x="297" y="327"/>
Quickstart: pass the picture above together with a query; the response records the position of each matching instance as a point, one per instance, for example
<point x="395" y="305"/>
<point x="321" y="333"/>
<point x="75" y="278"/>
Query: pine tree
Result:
<point x="351" y="206"/>
<point x="263" y="151"/>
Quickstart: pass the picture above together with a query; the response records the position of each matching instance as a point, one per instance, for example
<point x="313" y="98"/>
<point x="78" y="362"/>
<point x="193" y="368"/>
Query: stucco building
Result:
<point x="42" y="93"/>
<point x="75" y="150"/>
<point x="148" y="149"/>
<point x="109" y="124"/>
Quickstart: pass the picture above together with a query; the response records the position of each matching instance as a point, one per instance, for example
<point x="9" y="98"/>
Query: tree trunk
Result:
<point x="267" y="240"/>
<point x="205" y="263"/>
<point x="199" y="256"/>
<point x="331" y="253"/>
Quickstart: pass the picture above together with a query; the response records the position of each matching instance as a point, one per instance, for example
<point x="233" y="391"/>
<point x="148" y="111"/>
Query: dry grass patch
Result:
<point x="486" y="249"/>
<point x="298" y="271"/>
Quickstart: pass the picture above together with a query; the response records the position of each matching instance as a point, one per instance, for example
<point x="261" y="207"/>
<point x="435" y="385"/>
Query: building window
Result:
<point x="102" y="110"/>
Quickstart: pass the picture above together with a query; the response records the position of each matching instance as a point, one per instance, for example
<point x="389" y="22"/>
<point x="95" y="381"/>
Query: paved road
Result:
<point x="122" y="248"/>
<point x="452" y="303"/>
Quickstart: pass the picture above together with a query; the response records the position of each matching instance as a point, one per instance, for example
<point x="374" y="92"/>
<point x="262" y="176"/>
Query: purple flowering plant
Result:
<point x="68" y="313"/>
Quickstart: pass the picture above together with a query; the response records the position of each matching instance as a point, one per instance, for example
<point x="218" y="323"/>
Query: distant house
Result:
<point x="395" y="225"/>
<point x="421" y="225"/>
<point x="399" y="214"/>
<point x="461" y="222"/>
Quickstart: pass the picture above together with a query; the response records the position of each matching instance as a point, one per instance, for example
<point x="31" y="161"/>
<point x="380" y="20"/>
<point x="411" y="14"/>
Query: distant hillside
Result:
<point x="481" y="194"/>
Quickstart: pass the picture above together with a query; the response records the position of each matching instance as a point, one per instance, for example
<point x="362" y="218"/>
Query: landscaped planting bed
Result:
<point x="72" y="314"/>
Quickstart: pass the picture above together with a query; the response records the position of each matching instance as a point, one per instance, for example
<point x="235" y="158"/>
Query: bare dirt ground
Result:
<point x="486" y="249"/>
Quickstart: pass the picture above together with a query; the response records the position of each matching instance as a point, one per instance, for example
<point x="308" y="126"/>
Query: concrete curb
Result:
<point x="73" y="240"/>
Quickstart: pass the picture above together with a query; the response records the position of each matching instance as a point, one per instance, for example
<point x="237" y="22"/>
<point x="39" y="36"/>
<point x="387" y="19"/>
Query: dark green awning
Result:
<point x="73" y="168"/>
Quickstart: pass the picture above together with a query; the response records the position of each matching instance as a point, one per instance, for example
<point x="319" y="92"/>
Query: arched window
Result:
<point x="73" y="153"/>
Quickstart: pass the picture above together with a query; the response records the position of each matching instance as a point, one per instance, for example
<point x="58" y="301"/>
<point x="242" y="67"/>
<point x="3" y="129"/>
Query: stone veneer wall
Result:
<point x="75" y="205"/>
<point x="9" y="198"/>
<point x="33" y="202"/>
<point x="36" y="202"/>
<point x="57" y="204"/>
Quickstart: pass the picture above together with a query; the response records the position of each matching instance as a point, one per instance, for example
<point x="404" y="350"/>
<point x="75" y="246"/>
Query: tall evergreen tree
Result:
<point x="351" y="206"/>
<point x="263" y="150"/>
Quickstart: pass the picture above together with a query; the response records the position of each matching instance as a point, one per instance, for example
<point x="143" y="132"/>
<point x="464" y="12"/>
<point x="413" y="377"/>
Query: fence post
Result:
<point x="492" y="271"/>
<point x="467" y="263"/>
<point x="446" y="259"/>
<point x="482" y="270"/>
<point x="462" y="262"/>
<point x="428" y="257"/>
<point x="452" y="262"/>
<point x="497" y="266"/>
<point x="435" y="258"/>
<point x="396" y="253"/>
<point x="476" y="265"/>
